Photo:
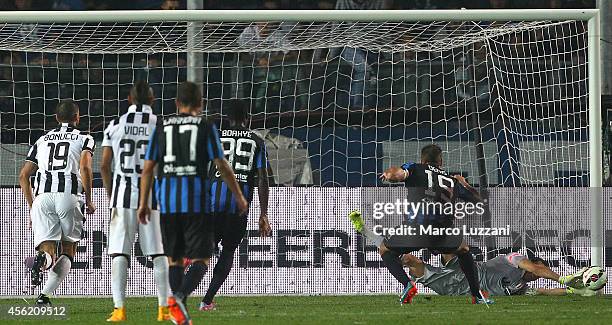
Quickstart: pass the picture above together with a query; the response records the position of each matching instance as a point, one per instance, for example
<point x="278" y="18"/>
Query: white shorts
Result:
<point x="123" y="227"/>
<point x="55" y="217"/>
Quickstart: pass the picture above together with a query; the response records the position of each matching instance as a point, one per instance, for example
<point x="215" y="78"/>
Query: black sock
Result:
<point x="193" y="277"/>
<point x="220" y="273"/>
<point x="393" y="264"/>
<point x="466" y="261"/>
<point x="175" y="277"/>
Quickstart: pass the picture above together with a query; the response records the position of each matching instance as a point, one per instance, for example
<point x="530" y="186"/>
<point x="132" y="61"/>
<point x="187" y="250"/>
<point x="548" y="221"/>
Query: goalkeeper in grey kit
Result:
<point x="503" y="275"/>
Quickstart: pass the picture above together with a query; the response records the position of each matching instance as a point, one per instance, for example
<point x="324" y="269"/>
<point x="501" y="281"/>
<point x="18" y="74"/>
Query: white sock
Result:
<point x="57" y="274"/>
<point x="119" y="279"/>
<point x="160" y="271"/>
<point x="371" y="236"/>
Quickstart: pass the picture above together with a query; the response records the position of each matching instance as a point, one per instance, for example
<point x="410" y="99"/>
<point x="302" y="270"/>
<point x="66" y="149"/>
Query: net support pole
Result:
<point x="195" y="60"/>
<point x="595" y="163"/>
<point x="483" y="181"/>
<point x="605" y="10"/>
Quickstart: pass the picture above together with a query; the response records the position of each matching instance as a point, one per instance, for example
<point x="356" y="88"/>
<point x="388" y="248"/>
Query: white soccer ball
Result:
<point x="594" y="278"/>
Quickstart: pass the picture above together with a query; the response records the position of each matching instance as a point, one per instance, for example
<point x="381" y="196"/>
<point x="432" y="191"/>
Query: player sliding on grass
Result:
<point x="125" y="142"/>
<point x="62" y="162"/>
<point x="429" y="183"/>
<point x="183" y="146"/>
<point x="503" y="275"/>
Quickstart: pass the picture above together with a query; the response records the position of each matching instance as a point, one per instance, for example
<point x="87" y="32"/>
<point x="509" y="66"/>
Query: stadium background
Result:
<point x="313" y="249"/>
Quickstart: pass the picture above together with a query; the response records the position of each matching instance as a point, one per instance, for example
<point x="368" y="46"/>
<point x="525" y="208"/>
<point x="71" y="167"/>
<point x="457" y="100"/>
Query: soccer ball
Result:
<point x="594" y="278"/>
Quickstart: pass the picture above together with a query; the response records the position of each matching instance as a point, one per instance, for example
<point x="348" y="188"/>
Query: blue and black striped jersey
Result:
<point x="428" y="183"/>
<point x="183" y="147"/>
<point x="246" y="153"/>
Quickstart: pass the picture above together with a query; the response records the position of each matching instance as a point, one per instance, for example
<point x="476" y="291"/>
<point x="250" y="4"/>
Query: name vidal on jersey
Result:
<point x="61" y="136"/>
<point x="136" y="130"/>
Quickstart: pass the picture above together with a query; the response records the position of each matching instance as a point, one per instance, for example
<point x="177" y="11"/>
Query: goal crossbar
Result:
<point x="104" y="16"/>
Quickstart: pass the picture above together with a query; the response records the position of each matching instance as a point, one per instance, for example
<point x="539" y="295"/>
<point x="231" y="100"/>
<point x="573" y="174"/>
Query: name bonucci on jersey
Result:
<point x="128" y="136"/>
<point x="57" y="155"/>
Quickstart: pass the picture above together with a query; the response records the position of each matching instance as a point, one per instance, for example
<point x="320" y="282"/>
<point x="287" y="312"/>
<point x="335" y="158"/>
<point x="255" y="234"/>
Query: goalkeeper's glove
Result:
<point x="585" y="292"/>
<point x="573" y="280"/>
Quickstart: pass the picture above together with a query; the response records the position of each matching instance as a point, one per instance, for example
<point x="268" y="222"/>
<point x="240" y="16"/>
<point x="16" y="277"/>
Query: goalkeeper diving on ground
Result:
<point x="460" y="275"/>
<point x="429" y="184"/>
<point x="503" y="275"/>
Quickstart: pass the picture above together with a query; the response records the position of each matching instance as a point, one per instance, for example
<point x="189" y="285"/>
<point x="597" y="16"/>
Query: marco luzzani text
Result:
<point x="412" y="209"/>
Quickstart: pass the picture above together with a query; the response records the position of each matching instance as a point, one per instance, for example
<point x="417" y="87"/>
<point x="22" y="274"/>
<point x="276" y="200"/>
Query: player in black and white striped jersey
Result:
<point x="125" y="142"/>
<point x="62" y="162"/>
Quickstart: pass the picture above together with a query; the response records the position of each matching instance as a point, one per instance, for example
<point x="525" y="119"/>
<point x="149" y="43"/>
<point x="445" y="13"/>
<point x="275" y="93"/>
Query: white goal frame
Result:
<point x="590" y="15"/>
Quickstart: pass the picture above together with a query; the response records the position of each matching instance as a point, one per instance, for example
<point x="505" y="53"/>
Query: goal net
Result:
<point x="337" y="102"/>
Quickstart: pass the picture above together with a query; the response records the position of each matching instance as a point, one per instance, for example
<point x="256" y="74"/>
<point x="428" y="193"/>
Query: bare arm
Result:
<point x="551" y="292"/>
<point x="228" y="176"/>
<point x="467" y="186"/>
<point x="394" y="174"/>
<point x="24" y="181"/>
<point x="105" y="170"/>
<point x="146" y="178"/>
<point x="539" y="270"/>
<point x="263" y="190"/>
<point x="87" y="179"/>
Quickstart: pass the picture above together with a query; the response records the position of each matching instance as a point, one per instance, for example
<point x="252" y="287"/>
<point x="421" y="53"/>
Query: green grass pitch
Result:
<point x="349" y="310"/>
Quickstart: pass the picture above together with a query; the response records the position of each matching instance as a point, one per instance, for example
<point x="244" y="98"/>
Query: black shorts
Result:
<point x="230" y="229"/>
<point x="187" y="235"/>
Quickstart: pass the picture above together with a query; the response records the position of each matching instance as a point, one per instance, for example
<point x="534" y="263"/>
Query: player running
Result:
<point x="503" y="275"/>
<point x="246" y="153"/>
<point x="125" y="142"/>
<point x="430" y="183"/>
<point x="183" y="146"/>
<point x="62" y="162"/>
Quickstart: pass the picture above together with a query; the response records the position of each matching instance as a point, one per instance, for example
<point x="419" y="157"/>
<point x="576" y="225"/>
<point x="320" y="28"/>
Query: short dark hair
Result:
<point x="66" y="111"/>
<point x="141" y="93"/>
<point x="431" y="154"/>
<point x="189" y="94"/>
<point x="238" y="110"/>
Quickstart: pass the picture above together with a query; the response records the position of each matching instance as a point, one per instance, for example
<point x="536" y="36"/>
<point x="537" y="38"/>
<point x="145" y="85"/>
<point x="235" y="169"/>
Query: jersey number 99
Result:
<point x="234" y="149"/>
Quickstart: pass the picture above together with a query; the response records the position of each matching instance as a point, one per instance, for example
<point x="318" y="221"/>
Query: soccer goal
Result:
<point x="511" y="96"/>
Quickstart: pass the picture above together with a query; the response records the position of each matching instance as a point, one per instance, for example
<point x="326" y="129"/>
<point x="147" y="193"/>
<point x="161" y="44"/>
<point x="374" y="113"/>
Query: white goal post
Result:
<point x="591" y="16"/>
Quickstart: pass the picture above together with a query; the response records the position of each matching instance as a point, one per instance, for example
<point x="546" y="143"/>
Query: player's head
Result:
<point x="431" y="154"/>
<point x="238" y="111"/>
<point x="189" y="98"/>
<point x="141" y="94"/>
<point x="528" y="276"/>
<point x="67" y="111"/>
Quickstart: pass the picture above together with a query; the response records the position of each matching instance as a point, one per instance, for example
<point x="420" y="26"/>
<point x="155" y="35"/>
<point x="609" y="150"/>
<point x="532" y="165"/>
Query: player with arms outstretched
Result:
<point x="62" y="162"/>
<point x="503" y="275"/>
<point x="183" y="146"/>
<point x="246" y="153"/>
<point x="125" y="143"/>
<point x="430" y="183"/>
